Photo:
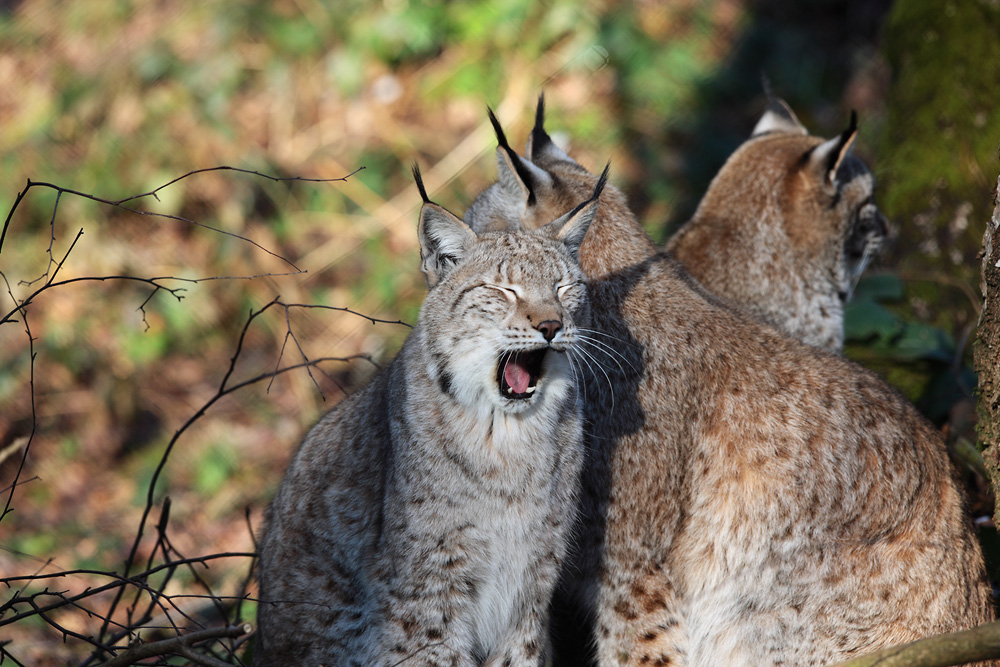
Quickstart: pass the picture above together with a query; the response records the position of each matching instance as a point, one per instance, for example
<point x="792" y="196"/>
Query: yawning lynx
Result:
<point x="424" y="519"/>
<point x="746" y="499"/>
<point x="786" y="228"/>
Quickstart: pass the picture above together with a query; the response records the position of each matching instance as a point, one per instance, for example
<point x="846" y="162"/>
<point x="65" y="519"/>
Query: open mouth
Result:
<point x="518" y="373"/>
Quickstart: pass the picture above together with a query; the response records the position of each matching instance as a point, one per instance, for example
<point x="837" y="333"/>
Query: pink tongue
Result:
<point x="516" y="376"/>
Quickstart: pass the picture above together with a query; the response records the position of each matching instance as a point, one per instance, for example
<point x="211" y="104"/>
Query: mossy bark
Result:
<point x="987" y="350"/>
<point x="938" y="148"/>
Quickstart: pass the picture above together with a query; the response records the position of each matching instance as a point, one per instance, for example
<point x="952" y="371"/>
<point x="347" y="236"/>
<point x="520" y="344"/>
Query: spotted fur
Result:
<point x="786" y="228"/>
<point x="747" y="499"/>
<point x="424" y="519"/>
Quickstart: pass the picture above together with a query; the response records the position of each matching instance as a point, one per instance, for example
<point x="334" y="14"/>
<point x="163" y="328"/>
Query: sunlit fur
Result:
<point x="786" y="228"/>
<point x="746" y="499"/>
<point x="424" y="519"/>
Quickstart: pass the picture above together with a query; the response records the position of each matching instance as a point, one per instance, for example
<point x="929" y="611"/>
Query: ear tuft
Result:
<point x="541" y="149"/>
<point x="540" y="112"/>
<point x="514" y="172"/>
<point x="498" y="130"/>
<point x="420" y="183"/>
<point x="539" y="139"/>
<point x="601" y="182"/>
<point x="572" y="228"/>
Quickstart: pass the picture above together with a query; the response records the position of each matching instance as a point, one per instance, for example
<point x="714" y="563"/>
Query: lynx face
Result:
<point x="515" y="328"/>
<point x="867" y="227"/>
<point x="786" y="228"/>
<point x="518" y="299"/>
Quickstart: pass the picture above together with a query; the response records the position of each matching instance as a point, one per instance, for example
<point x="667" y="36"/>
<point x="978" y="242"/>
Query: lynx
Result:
<point x="747" y="499"/>
<point x="786" y="228"/>
<point x="424" y="519"/>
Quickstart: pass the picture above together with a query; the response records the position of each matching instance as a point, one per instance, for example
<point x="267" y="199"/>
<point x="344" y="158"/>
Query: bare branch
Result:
<point x="119" y="581"/>
<point x="179" y="645"/>
<point x="373" y="320"/>
<point x="120" y="203"/>
<point x="10" y="213"/>
<point x="223" y="390"/>
<point x="277" y="179"/>
<point x="34" y="417"/>
<point x="117" y="626"/>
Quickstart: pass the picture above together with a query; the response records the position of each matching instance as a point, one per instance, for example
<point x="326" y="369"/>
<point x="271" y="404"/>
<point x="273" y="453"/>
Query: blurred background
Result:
<point x="114" y="98"/>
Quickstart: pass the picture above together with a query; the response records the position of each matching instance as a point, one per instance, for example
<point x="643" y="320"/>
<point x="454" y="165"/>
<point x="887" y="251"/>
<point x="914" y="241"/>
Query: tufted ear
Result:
<point x="516" y="175"/>
<point x="778" y="117"/>
<point x="541" y="149"/>
<point x="444" y="238"/>
<point x="825" y="159"/>
<point x="572" y="227"/>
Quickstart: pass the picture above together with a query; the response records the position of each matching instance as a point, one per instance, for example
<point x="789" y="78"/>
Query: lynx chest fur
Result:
<point x="424" y="519"/>
<point x="747" y="499"/>
<point x="786" y="228"/>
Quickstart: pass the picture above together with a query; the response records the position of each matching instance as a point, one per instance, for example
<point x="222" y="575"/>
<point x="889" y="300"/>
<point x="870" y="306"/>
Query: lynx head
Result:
<point x="504" y="309"/>
<point x="829" y="192"/>
<point x="786" y="227"/>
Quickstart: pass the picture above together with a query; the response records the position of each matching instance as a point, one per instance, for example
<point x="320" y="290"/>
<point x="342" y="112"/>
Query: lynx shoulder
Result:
<point x="424" y="519"/>
<point x="746" y="499"/>
<point x="786" y="228"/>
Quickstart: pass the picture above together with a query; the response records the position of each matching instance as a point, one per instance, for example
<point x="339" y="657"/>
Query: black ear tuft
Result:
<point x="845" y="140"/>
<point x="522" y="170"/>
<point x="539" y="137"/>
<point x="498" y="130"/>
<point x="572" y="227"/>
<point x="601" y="182"/>
<point x="853" y="127"/>
<point x="420" y="183"/>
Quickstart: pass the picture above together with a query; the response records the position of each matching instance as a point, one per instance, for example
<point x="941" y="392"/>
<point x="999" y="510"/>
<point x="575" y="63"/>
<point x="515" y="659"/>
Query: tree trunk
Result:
<point x="987" y="350"/>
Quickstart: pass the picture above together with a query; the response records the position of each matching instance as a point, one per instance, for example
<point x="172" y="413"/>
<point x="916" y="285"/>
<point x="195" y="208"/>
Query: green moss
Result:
<point x="938" y="149"/>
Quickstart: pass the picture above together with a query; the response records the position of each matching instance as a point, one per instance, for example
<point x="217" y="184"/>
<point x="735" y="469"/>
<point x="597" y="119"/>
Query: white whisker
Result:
<point x="608" y="350"/>
<point x="587" y="358"/>
<point x="866" y="257"/>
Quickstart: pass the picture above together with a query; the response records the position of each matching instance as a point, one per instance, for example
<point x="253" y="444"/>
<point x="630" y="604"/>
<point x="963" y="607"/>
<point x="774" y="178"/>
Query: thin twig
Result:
<point x="119" y="581"/>
<point x="120" y="203"/>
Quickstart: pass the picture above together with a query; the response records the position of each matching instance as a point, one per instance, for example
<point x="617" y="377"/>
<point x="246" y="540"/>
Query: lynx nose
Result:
<point x="549" y="328"/>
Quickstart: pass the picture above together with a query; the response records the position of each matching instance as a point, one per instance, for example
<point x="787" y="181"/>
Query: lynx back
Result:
<point x="424" y="519"/>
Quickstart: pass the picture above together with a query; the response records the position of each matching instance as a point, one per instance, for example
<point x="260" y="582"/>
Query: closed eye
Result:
<point x="510" y="292"/>
<point x="561" y="290"/>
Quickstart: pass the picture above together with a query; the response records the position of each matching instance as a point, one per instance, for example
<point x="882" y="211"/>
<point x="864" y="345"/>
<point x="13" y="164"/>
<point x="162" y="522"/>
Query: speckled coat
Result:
<point x="786" y="228"/>
<point x="747" y="499"/>
<point x="424" y="519"/>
